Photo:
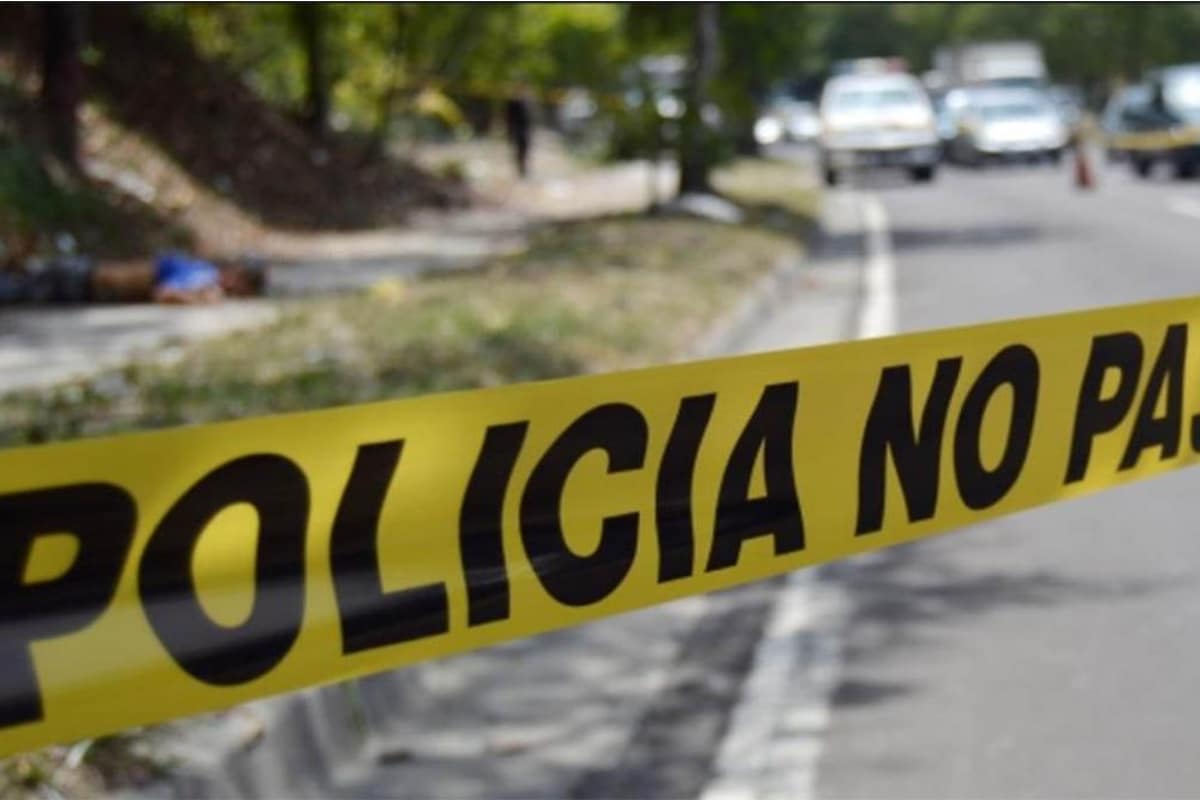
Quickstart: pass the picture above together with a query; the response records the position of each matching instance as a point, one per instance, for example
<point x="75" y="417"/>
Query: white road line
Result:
<point x="1184" y="206"/>
<point x="878" y="317"/>
<point x="778" y="726"/>
<point x="776" y="732"/>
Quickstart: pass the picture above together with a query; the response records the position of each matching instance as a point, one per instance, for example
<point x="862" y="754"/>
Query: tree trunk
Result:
<point x="695" y="153"/>
<point x="310" y="24"/>
<point x="745" y="115"/>
<point x="62" y="79"/>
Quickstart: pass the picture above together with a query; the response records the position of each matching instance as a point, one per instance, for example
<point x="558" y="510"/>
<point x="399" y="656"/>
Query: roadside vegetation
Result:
<point x="596" y="295"/>
<point x="587" y="296"/>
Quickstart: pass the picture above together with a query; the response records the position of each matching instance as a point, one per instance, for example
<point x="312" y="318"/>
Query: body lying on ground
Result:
<point x="173" y="278"/>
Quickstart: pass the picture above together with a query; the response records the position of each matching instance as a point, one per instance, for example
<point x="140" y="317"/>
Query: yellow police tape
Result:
<point x="160" y="574"/>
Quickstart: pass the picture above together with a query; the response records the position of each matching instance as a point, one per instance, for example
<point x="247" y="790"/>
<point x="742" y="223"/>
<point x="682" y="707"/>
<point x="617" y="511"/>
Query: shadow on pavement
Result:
<point x="857" y="693"/>
<point x="978" y="236"/>
<point x="534" y="718"/>
<point x="671" y="751"/>
<point x="883" y="180"/>
<point x="902" y="596"/>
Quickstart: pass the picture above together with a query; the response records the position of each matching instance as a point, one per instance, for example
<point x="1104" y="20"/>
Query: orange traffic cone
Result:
<point x="1083" y="169"/>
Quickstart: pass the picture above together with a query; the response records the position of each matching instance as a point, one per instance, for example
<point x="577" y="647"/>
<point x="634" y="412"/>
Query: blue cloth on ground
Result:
<point x="181" y="273"/>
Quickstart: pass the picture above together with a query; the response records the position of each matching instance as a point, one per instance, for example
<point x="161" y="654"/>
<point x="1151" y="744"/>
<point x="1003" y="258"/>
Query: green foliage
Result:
<point x="380" y="56"/>
<point x="30" y="200"/>
<point x="762" y="44"/>
<point x="43" y="207"/>
<point x="46" y="207"/>
<point x="638" y="132"/>
<point x="660" y="27"/>
<point x="255" y="41"/>
<point x="568" y="45"/>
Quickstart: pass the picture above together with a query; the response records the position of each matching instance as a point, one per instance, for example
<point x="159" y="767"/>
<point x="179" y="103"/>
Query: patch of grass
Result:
<point x="775" y="195"/>
<point x="589" y="296"/>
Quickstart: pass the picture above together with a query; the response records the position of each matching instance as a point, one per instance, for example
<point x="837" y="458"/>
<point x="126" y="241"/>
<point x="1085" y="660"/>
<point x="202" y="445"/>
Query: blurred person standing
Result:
<point x="518" y="123"/>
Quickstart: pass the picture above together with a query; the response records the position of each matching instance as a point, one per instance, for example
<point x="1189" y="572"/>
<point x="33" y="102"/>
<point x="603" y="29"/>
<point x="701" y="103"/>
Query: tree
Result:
<point x="758" y="47"/>
<point x="310" y="25"/>
<point x="62" y="78"/>
<point x="427" y="43"/>
<point x="764" y="49"/>
<point x="695" y="153"/>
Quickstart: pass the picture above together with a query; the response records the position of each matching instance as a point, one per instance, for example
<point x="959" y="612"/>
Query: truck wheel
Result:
<point x="1185" y="168"/>
<point x="923" y="174"/>
<point x="1142" y="166"/>
<point x="831" y="176"/>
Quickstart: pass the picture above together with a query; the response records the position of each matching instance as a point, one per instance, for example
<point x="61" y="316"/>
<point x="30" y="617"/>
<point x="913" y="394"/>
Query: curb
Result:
<point x="772" y="747"/>
<point x="767" y="294"/>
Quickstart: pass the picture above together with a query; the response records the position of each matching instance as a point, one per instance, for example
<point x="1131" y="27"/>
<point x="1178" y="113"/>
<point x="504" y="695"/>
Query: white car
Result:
<point x="1010" y="125"/>
<point x="881" y="120"/>
<point x="785" y="119"/>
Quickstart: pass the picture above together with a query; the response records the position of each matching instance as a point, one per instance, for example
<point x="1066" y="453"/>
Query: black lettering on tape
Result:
<point x="770" y="430"/>
<point x="620" y="431"/>
<point x="1154" y="431"/>
<point x="210" y="652"/>
<point x="480" y="532"/>
<point x="979" y="487"/>
<point x="1095" y="414"/>
<point x="101" y="518"/>
<point x="673" y="494"/>
<point x="370" y="616"/>
<point x="916" y="455"/>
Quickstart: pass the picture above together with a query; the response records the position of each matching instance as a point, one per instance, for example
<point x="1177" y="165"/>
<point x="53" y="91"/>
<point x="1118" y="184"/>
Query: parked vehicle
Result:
<point x="1009" y="125"/>
<point x="869" y="66"/>
<point x="877" y="120"/>
<point x="1114" y="121"/>
<point x="1012" y="63"/>
<point x="948" y="108"/>
<point x="787" y="119"/>
<point x="1164" y="126"/>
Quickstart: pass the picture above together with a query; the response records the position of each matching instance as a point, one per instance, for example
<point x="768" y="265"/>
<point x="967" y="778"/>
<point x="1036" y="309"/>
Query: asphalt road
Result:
<point x="1054" y="653"/>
